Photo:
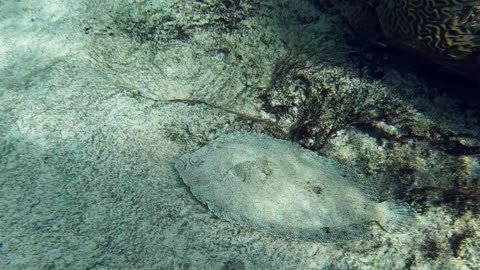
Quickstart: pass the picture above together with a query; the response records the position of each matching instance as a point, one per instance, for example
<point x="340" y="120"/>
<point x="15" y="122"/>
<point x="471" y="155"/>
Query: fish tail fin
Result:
<point x="395" y="216"/>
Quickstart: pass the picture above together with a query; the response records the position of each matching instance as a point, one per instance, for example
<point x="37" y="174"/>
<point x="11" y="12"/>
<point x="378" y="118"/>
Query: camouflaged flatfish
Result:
<point x="278" y="187"/>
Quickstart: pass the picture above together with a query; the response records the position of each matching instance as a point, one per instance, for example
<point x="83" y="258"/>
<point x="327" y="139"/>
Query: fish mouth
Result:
<point x="180" y="165"/>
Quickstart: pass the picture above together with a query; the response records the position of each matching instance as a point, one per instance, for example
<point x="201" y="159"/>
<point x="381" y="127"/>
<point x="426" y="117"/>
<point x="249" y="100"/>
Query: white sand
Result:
<point x="90" y="127"/>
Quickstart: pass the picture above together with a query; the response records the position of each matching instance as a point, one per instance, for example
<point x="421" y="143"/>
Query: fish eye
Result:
<point x="194" y="161"/>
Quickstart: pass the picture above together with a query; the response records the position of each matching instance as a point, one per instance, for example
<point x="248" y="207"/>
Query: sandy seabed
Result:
<point x="97" y="101"/>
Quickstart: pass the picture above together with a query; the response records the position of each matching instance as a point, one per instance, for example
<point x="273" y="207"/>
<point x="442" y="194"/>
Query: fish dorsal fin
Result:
<point x="354" y="178"/>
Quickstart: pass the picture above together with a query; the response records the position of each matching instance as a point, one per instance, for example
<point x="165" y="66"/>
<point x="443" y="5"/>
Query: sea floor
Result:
<point x="98" y="100"/>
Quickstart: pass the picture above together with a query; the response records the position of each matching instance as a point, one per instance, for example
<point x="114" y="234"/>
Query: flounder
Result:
<point x="280" y="188"/>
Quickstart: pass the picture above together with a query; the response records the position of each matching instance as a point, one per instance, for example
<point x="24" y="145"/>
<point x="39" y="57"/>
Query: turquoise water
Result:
<point x="99" y="100"/>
